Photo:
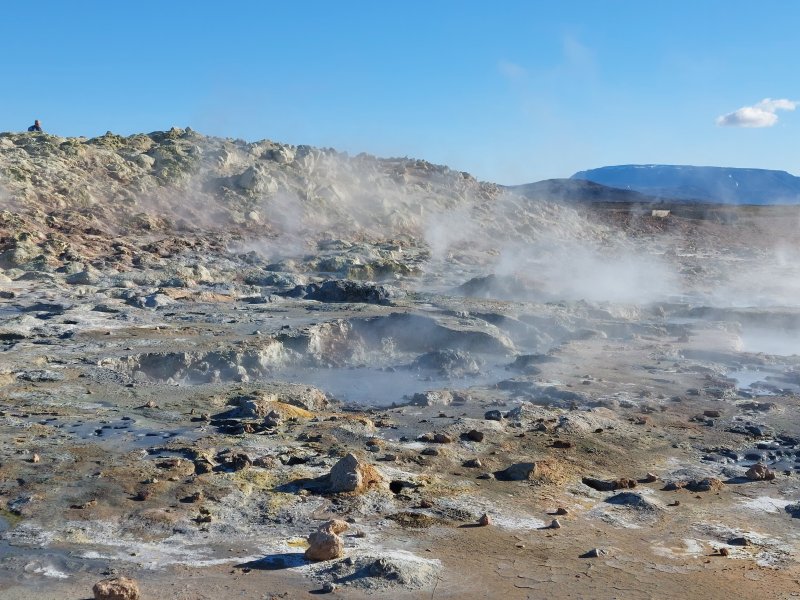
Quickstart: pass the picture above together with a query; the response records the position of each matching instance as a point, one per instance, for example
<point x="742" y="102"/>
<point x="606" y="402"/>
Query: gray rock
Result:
<point x="517" y="472"/>
<point x="493" y="415"/>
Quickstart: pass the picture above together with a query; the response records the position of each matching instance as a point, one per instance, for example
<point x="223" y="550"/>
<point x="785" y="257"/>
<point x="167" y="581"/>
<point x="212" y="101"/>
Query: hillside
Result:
<point x="580" y="191"/>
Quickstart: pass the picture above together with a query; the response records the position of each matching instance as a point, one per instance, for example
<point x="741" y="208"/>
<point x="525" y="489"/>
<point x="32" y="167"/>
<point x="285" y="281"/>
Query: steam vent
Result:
<point x="263" y="370"/>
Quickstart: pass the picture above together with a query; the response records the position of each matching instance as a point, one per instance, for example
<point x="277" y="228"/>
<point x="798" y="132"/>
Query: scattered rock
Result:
<point x="432" y="398"/>
<point x="325" y="543"/>
<point x="555" y="524"/>
<point x="759" y="472"/>
<point x="705" y="484"/>
<point x="475" y="436"/>
<point x="351" y="474"/>
<point x="116" y="588"/>
<point x="493" y="415"/>
<point x="517" y="472"/>
<point x="595" y="553"/>
<point x="604" y="485"/>
<point x="485" y="520"/>
<point x="345" y="290"/>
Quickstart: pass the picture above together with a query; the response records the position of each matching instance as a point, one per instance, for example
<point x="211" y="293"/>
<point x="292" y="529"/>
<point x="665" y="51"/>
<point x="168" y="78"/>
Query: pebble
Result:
<point x="555" y="524"/>
<point x="562" y="511"/>
<point x="485" y="520"/>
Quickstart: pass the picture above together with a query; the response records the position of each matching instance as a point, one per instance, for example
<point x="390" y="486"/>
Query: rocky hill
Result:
<point x="112" y="201"/>
<point x="704" y="184"/>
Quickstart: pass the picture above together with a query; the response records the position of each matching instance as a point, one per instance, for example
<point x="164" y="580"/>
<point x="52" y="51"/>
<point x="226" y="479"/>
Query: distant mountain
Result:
<point x="705" y="184"/>
<point x="579" y="191"/>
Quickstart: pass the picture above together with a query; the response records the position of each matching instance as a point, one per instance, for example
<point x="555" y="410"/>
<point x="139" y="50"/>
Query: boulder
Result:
<point x="521" y="471"/>
<point x="432" y="398"/>
<point x="325" y="543"/>
<point x="759" y="472"/>
<point x="352" y="475"/>
<point x="116" y="588"/>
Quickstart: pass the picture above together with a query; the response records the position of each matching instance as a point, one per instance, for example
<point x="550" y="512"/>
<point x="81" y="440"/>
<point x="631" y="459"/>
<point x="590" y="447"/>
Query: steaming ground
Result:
<point x="196" y="330"/>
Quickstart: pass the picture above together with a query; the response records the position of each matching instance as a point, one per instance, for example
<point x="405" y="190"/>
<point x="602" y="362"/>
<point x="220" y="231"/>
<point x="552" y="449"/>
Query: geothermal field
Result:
<point x="256" y="370"/>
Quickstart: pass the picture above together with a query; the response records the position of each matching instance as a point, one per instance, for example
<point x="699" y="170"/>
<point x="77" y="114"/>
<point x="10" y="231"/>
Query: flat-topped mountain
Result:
<point x="707" y="184"/>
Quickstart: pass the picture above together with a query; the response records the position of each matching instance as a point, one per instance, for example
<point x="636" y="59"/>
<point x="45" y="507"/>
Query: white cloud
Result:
<point x="761" y="114"/>
<point x="512" y="71"/>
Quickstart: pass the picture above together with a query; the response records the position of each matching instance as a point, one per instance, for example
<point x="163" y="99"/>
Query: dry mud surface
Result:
<point x="184" y="401"/>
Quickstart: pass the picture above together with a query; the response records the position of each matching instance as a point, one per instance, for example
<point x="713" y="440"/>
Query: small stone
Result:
<point x="650" y="478"/>
<point x="485" y="520"/>
<point x="555" y="524"/>
<point x="142" y="495"/>
<point x="442" y="438"/>
<point x="562" y="511"/>
<point x="116" y="588"/>
<point x="329" y="587"/>
<point x="475" y="435"/>
<point x="493" y="415"/>
<point x="472" y="463"/>
<point x="724" y="552"/>
<point x="595" y="553"/>
<point x="36" y="458"/>
<point x="430" y="452"/>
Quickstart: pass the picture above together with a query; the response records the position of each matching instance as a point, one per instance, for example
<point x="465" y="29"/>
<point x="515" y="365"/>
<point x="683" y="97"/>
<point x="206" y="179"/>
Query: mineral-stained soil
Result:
<point x="211" y="348"/>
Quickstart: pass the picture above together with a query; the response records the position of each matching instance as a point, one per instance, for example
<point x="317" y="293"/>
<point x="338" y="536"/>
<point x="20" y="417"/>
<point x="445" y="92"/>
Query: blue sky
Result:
<point x="514" y="92"/>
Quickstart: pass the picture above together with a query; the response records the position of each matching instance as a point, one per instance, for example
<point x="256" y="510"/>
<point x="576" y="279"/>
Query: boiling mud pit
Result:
<point x="490" y="396"/>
